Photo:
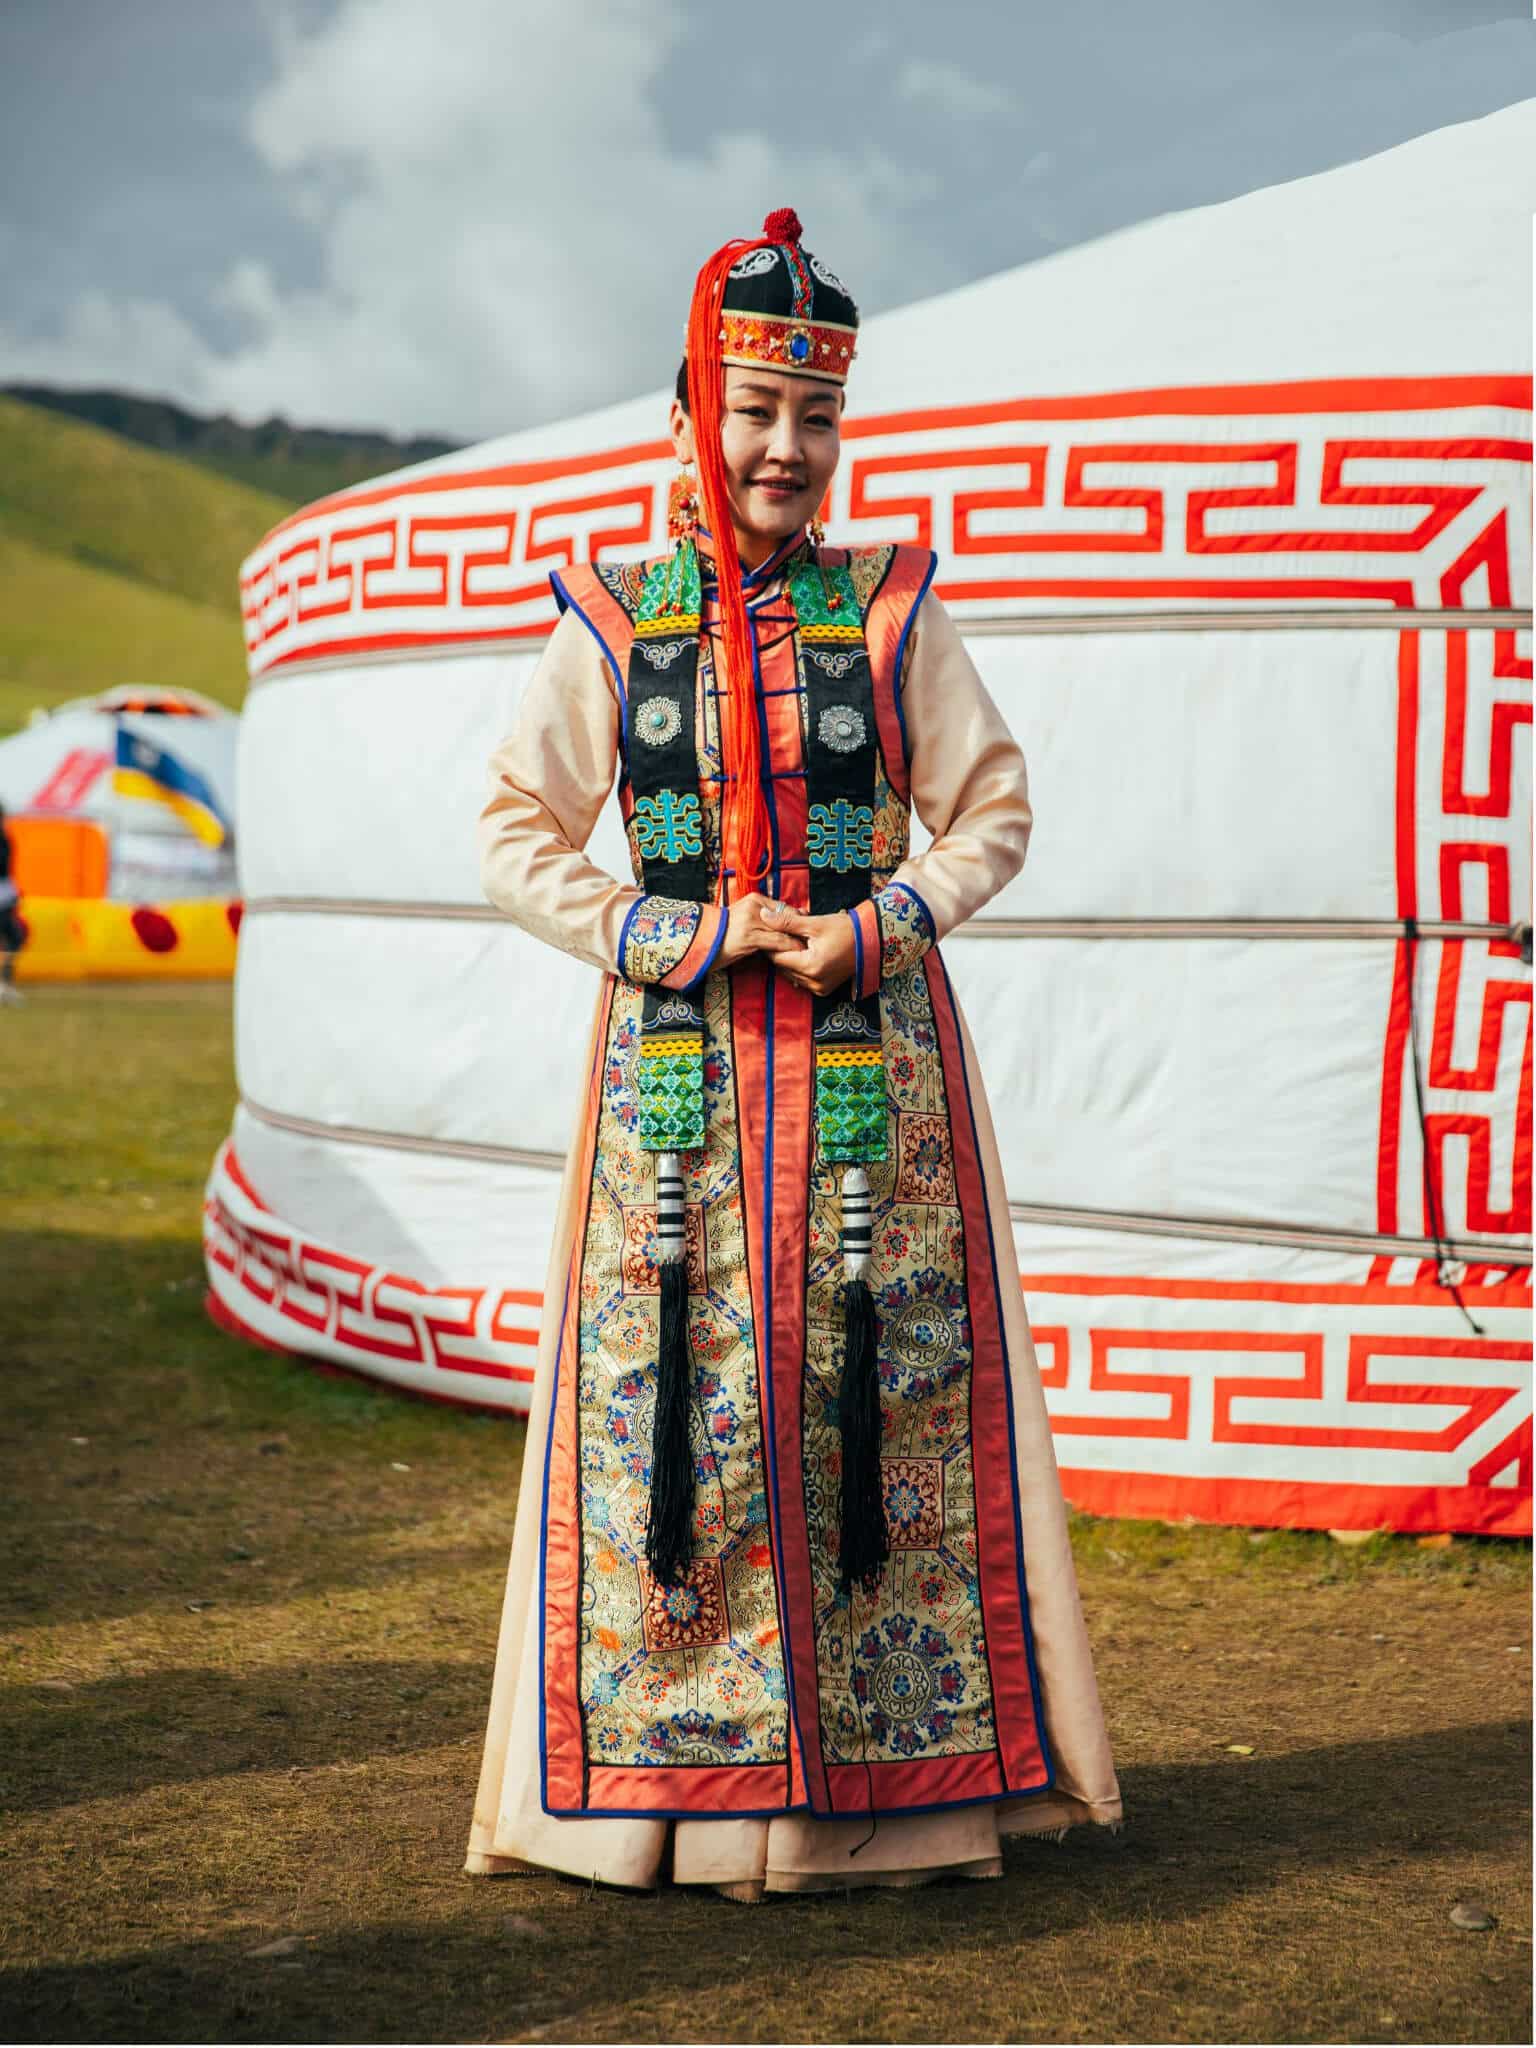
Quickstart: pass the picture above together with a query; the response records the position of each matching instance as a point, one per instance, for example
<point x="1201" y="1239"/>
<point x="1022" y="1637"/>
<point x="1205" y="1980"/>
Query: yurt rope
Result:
<point x="1448" y="1271"/>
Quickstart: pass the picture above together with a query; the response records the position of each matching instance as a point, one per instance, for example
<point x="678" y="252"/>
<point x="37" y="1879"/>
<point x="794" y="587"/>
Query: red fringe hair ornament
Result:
<point x="746" y="848"/>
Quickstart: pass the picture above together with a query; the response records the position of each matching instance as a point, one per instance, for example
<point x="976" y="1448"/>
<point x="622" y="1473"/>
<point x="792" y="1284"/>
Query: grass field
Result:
<point x="250" y="1614"/>
<point x="118" y="564"/>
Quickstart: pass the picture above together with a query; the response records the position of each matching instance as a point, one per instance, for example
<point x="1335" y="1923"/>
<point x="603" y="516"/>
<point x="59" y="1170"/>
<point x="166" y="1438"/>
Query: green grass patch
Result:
<point x="69" y="630"/>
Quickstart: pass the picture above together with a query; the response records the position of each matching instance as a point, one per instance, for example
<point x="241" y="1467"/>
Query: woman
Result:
<point x="791" y="1602"/>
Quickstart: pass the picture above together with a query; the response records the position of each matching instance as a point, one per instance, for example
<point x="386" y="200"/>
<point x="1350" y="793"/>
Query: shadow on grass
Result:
<point x="120" y="1736"/>
<point x="1199" y="1836"/>
<point x="146" y="1456"/>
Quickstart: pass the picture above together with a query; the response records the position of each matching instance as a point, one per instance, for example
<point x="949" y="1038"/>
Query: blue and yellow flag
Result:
<point x="147" y="771"/>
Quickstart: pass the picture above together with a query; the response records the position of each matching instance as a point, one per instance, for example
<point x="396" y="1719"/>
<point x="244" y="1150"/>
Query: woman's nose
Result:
<point x="784" y="441"/>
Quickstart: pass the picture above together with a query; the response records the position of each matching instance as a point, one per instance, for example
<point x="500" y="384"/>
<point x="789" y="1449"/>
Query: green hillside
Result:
<point x="67" y="630"/>
<point x="298" y="464"/>
<point x="118" y="564"/>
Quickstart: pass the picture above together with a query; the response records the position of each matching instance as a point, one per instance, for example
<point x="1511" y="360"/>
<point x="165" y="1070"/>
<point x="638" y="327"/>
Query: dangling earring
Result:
<point x="682" y="525"/>
<point x="682" y="507"/>
<point x="834" y="600"/>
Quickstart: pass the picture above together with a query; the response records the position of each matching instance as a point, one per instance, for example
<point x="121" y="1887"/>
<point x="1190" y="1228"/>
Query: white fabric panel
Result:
<point x="1274" y="799"/>
<point x="446" y="1222"/>
<point x="1203" y="1078"/>
<point x="459" y="1030"/>
<point x="1211" y="1078"/>
<point x="1202" y="774"/>
<point x="365" y="782"/>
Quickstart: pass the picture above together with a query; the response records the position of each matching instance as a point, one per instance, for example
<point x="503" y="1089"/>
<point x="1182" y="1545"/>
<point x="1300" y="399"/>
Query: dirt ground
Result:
<point x="249" y="1614"/>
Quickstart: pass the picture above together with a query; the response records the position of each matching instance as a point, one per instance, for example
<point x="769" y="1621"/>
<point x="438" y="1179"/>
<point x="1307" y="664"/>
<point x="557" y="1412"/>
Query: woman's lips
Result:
<point x="778" y="489"/>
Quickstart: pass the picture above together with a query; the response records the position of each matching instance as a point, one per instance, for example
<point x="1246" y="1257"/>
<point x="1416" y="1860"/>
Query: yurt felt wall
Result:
<point x="1234" y="509"/>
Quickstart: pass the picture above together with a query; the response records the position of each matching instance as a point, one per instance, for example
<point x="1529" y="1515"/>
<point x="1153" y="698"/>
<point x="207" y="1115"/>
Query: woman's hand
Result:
<point x="750" y="929"/>
<point x="822" y="958"/>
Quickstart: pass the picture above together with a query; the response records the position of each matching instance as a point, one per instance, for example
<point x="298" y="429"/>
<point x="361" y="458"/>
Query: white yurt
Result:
<point x="1233" y="507"/>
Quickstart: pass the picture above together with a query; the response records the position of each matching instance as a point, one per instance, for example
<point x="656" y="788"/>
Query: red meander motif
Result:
<point x="1265" y="1402"/>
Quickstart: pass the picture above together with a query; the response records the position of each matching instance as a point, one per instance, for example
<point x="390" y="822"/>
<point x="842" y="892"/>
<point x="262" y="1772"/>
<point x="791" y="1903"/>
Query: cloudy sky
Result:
<point x="474" y="215"/>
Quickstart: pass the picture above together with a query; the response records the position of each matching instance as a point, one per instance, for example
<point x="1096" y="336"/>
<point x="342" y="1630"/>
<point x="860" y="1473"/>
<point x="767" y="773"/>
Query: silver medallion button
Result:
<point x="658" y="720"/>
<point x="841" y="727"/>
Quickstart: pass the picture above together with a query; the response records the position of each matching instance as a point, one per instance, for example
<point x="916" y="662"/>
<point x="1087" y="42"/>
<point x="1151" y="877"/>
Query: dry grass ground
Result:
<point x="245" y="1657"/>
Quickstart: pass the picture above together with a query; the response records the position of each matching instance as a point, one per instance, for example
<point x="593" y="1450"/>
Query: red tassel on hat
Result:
<point x="782" y="225"/>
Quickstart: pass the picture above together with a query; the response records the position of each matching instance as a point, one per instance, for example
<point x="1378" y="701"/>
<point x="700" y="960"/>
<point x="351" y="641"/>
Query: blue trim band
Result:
<point x="765" y="1353"/>
<point x="567" y="603"/>
<point x="599" y="1054"/>
<point x="709" y="958"/>
<point x="933" y="929"/>
<point x="901" y="648"/>
<point x="629" y="918"/>
<point x="858" y="952"/>
<point x="855" y="1813"/>
<point x="1013" y="1452"/>
<point x="776" y="869"/>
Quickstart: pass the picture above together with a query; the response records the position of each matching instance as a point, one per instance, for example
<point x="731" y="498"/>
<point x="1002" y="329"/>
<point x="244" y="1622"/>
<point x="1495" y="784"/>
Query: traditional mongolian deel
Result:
<point x="789" y="1465"/>
<point x="752" y="1681"/>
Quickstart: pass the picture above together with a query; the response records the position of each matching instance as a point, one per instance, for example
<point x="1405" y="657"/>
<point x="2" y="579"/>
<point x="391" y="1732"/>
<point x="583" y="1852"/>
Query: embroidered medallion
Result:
<point x="914" y="1501"/>
<point x="686" y="1616"/>
<point x="658" y="718"/>
<point x="841" y="725"/>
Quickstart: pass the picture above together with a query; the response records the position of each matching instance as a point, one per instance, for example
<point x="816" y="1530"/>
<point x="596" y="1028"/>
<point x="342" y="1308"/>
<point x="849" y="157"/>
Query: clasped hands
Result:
<point x="815" y="953"/>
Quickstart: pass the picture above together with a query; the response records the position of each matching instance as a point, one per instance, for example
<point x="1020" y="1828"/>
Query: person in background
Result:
<point x="13" y="933"/>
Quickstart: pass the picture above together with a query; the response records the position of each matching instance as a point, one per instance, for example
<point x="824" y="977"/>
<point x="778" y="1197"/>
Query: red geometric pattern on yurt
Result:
<point x="1221" y="1398"/>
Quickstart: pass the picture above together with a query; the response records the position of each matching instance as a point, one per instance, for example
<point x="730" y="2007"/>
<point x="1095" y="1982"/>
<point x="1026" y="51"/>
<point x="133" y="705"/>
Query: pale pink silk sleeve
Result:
<point x="969" y="786"/>
<point x="549" y="780"/>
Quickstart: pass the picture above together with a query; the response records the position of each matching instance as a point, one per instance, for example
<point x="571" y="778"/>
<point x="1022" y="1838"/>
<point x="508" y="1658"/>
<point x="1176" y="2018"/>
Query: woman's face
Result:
<point x="780" y="436"/>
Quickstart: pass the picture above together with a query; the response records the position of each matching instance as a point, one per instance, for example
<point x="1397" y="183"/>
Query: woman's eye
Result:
<point x="752" y="412"/>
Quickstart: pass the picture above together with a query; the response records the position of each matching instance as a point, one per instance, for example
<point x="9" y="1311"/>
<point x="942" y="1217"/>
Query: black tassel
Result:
<point x="669" y="1525"/>
<point x="866" y="1541"/>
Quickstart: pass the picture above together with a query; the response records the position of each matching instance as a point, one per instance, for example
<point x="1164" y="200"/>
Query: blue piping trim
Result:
<point x="709" y="958"/>
<point x="901" y="648"/>
<point x="801" y="1806"/>
<point x="766" y="569"/>
<point x="933" y="930"/>
<point x="567" y="603"/>
<point x="672" y="1812"/>
<point x="1013" y="1461"/>
<point x="858" y="952"/>
<point x="629" y="918"/>
<point x="598" y="1053"/>
<point x="762" y="726"/>
<point x="765" y="1347"/>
